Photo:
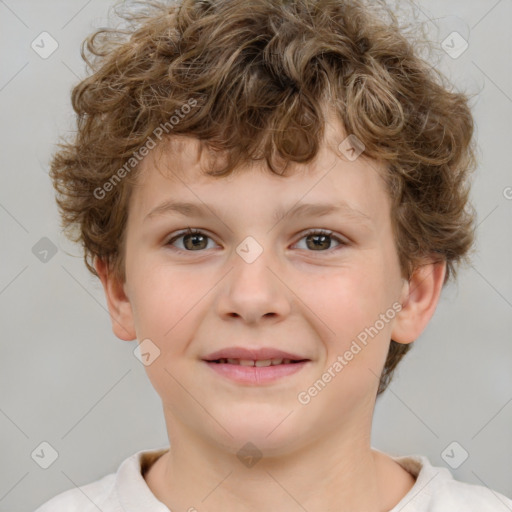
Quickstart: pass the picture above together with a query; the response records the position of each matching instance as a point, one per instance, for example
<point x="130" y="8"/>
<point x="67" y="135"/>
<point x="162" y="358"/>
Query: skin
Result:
<point x="294" y="297"/>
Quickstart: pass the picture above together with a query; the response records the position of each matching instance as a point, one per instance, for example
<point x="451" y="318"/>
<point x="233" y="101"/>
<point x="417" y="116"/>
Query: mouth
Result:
<point x="257" y="362"/>
<point x="254" y="367"/>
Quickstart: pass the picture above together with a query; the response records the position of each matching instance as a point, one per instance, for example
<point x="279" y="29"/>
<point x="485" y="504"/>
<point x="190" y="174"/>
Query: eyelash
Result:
<point x="323" y="232"/>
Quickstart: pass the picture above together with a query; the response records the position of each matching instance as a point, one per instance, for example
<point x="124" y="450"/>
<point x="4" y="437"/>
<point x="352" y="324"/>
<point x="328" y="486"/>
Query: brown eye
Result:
<point x="193" y="240"/>
<point x="320" y="241"/>
<point x="316" y="241"/>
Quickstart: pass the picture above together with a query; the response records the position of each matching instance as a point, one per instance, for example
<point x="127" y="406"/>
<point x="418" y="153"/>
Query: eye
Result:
<point x="320" y="239"/>
<point x="193" y="240"/>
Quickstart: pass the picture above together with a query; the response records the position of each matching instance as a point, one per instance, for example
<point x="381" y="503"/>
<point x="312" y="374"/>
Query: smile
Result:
<point x="256" y="372"/>
<point x="257" y="362"/>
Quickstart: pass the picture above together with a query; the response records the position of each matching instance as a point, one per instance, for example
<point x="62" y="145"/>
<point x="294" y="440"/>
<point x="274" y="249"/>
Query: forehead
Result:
<point x="174" y="172"/>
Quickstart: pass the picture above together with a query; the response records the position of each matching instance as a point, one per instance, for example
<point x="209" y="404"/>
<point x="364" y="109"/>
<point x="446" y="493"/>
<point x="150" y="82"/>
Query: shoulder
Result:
<point x="436" y="490"/>
<point x="470" y="497"/>
<point x="464" y="497"/>
<point x="85" y="498"/>
<point x="114" y="492"/>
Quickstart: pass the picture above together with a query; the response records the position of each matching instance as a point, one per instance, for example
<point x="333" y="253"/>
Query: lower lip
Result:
<point x="256" y="375"/>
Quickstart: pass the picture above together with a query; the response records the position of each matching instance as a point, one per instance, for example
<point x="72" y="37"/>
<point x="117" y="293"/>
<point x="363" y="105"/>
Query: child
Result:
<point x="268" y="130"/>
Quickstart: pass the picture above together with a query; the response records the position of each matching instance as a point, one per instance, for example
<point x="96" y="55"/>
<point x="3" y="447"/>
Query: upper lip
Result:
<point x="259" y="354"/>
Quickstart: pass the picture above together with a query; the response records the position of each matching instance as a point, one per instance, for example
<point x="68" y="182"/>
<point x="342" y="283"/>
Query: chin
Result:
<point x="272" y="430"/>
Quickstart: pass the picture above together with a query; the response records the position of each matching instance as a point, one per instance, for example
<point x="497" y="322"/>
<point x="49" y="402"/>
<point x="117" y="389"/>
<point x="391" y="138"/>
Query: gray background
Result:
<point x="67" y="380"/>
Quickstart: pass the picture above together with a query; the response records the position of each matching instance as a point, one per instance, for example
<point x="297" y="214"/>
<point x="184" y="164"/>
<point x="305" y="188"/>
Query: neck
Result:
<point x="330" y="474"/>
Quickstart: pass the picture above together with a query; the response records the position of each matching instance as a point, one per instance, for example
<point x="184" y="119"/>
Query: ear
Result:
<point x="420" y="297"/>
<point x="118" y="303"/>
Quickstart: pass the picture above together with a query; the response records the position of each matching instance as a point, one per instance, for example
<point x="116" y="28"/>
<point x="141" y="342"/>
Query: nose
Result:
<point x="253" y="290"/>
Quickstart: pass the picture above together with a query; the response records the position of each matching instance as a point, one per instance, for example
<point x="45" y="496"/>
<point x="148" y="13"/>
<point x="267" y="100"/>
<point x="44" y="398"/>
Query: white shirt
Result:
<point x="435" y="490"/>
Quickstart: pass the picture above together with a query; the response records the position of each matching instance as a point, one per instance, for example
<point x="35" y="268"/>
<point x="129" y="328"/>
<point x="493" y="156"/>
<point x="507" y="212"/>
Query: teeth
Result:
<point x="249" y="362"/>
<point x="263" y="362"/>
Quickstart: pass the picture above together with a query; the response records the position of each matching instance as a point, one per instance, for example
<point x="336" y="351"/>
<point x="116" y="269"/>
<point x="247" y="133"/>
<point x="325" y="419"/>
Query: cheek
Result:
<point x="352" y="308"/>
<point x="165" y="308"/>
<point x="163" y="298"/>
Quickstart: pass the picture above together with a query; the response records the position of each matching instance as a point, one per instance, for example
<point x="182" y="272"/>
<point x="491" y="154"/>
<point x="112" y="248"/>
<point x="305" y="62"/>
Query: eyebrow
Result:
<point x="188" y="209"/>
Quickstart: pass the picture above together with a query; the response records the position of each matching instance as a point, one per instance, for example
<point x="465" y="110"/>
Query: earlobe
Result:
<point x="422" y="295"/>
<point x="118" y="303"/>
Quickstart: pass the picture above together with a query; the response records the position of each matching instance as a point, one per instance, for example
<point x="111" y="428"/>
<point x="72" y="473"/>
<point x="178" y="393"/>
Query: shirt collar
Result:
<point x="132" y="490"/>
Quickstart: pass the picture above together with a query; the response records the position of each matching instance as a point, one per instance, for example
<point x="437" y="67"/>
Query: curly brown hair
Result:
<point x="249" y="79"/>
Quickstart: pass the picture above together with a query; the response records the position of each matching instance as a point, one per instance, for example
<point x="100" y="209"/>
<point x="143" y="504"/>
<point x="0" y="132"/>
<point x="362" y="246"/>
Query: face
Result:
<point x="258" y="282"/>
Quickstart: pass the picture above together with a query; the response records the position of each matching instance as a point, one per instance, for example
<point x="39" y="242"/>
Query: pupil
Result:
<point x="324" y="239"/>
<point x="195" y="242"/>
